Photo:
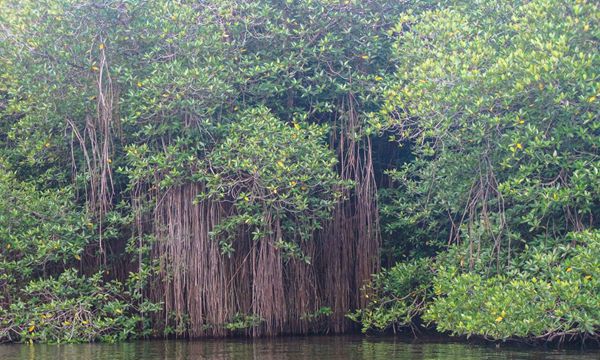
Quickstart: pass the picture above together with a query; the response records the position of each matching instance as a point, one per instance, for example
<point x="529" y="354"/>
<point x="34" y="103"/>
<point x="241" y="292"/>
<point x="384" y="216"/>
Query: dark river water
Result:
<point x="319" y="348"/>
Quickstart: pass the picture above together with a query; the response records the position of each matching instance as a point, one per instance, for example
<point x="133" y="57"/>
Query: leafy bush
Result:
<point x="242" y="322"/>
<point x="548" y="294"/>
<point x="270" y="166"/>
<point x="73" y="308"/>
<point x="42" y="235"/>
<point x="41" y="232"/>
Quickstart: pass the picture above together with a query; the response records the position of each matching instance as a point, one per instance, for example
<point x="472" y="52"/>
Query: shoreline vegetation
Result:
<point x="191" y="169"/>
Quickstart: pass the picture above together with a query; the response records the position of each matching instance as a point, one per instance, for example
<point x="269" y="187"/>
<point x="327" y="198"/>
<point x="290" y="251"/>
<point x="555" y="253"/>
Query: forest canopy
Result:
<point x="186" y="168"/>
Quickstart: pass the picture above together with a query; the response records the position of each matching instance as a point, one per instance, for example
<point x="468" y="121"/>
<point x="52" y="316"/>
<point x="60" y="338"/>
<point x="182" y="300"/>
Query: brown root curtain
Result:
<point x="205" y="290"/>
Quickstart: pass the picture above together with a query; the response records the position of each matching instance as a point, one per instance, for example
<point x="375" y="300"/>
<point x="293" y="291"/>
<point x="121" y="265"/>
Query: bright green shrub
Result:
<point x="549" y="294"/>
<point x="41" y="232"/>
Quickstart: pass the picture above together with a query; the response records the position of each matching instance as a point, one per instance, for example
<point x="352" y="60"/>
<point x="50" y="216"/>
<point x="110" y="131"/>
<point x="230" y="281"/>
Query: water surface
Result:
<point x="291" y="348"/>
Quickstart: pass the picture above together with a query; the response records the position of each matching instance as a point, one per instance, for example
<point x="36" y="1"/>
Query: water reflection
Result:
<point x="296" y="348"/>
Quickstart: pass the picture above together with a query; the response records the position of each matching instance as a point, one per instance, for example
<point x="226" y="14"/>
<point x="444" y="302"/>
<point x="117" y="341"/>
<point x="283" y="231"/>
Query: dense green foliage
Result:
<point x="499" y="103"/>
<point x="480" y="121"/>
<point x="547" y="293"/>
<point x="74" y="308"/>
<point x="40" y="232"/>
<point x="257" y="163"/>
<point x="118" y="103"/>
